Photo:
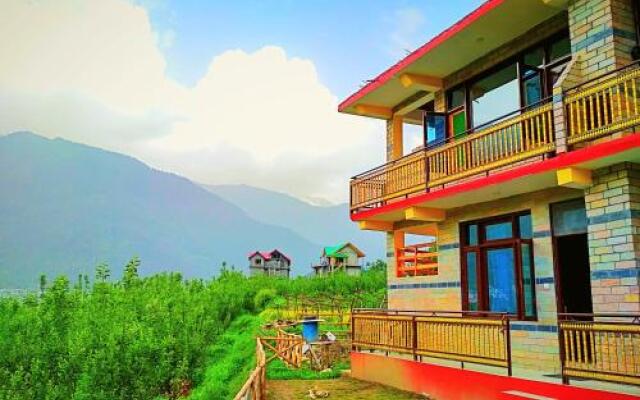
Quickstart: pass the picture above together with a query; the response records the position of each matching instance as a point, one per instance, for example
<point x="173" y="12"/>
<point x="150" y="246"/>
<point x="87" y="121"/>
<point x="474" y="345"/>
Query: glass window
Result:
<point x="435" y="125"/>
<point x="526" y="230"/>
<point x="560" y="48"/>
<point x="498" y="276"/>
<point x="456" y="98"/>
<point x="472" y="281"/>
<point x="532" y="87"/>
<point x="528" y="280"/>
<point x="472" y="235"/>
<point x="495" y="95"/>
<point x="535" y="57"/>
<point x="501" y="230"/>
<point x="502" y="280"/>
<point x="569" y="218"/>
<point x="458" y="123"/>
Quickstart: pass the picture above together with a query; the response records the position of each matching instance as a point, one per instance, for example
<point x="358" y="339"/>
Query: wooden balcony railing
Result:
<point x="417" y="259"/>
<point x="458" y="336"/>
<point x="605" y="105"/>
<point x="515" y="139"/>
<point x="397" y="178"/>
<point x="605" y="349"/>
<point x="602" y="106"/>
<point x="512" y="139"/>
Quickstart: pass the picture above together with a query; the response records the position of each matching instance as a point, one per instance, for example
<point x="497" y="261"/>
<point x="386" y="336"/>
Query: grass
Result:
<point x="232" y="358"/>
<point x="278" y="370"/>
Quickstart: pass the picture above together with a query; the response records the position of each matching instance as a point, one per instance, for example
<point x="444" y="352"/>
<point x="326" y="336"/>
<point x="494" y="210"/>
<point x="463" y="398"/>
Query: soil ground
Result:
<point x="339" y="389"/>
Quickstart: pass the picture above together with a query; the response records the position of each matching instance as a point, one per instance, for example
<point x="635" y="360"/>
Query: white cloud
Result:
<point x="93" y="72"/>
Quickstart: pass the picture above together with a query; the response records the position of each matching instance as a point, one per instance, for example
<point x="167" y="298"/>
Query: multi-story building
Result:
<point x="527" y="192"/>
<point x="344" y="257"/>
<point x="274" y="263"/>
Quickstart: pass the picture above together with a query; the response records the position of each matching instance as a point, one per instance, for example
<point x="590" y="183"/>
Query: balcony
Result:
<point x="595" y="347"/>
<point x="595" y="109"/>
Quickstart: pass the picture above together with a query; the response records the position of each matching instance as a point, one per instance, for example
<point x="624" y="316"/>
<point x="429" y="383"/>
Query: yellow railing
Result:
<point x="458" y="336"/>
<point x="601" y="350"/>
<point x="515" y="139"/>
<point x="603" y="106"/>
<point x="397" y="178"/>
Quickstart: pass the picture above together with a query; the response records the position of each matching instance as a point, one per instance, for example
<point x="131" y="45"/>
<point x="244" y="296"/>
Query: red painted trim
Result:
<point x="421" y="51"/>
<point x="450" y="383"/>
<point x="561" y="161"/>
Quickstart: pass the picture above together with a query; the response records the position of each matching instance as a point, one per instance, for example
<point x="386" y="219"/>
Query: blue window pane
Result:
<point x="435" y="129"/>
<point x="502" y="280"/>
<point x="472" y="281"/>
<point x="528" y="281"/>
<point x="526" y="230"/>
<point x="472" y="235"/>
<point x="500" y="230"/>
<point x="532" y="90"/>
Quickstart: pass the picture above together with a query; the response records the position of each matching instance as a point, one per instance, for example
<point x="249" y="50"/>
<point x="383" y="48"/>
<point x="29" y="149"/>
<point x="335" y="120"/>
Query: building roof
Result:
<point x="493" y="24"/>
<point x="268" y="255"/>
<point x="335" y="251"/>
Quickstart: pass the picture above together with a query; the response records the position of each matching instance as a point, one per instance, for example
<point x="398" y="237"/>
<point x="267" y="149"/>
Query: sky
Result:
<point x="221" y="92"/>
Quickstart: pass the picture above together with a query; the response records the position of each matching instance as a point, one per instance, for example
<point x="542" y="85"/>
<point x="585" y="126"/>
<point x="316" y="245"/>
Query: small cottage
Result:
<point x="274" y="263"/>
<point x="343" y="257"/>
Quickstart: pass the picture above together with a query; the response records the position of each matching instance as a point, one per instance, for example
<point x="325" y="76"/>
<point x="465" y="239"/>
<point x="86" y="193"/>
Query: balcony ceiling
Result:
<point x="490" y="26"/>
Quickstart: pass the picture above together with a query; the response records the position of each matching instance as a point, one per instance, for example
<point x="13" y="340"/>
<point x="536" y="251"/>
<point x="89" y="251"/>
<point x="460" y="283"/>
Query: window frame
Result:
<point x="518" y="58"/>
<point x="481" y="271"/>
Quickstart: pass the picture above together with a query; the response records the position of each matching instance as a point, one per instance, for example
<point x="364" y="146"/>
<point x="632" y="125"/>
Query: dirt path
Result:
<point x="339" y="389"/>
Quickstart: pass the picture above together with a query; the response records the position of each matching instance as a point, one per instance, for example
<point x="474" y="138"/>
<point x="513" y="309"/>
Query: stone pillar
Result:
<point x="613" y="212"/>
<point x="602" y="32"/>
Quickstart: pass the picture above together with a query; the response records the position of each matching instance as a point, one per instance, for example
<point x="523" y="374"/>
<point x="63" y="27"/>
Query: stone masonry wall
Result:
<point x="613" y="212"/>
<point x="534" y="344"/>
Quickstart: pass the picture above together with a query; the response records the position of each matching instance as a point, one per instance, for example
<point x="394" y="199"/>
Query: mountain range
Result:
<point x="65" y="207"/>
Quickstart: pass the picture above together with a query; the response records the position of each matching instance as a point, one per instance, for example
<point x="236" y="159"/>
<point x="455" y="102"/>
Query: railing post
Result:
<point x="414" y="338"/>
<point x="565" y="378"/>
<point x="507" y="331"/>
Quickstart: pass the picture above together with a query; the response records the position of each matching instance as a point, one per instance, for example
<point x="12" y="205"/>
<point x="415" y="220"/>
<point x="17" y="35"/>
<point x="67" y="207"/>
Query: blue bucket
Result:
<point x="310" y="329"/>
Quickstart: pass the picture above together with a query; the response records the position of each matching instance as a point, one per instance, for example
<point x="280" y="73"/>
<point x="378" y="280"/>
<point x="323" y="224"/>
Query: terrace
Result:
<point x="593" y="348"/>
<point x="596" y="110"/>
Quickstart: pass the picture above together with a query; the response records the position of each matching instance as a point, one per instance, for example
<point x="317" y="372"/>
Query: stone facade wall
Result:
<point x="613" y="212"/>
<point x="602" y="33"/>
<point x="534" y="344"/>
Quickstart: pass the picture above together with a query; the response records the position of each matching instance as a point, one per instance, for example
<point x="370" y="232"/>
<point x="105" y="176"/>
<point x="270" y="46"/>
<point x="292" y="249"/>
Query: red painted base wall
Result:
<point x="445" y="383"/>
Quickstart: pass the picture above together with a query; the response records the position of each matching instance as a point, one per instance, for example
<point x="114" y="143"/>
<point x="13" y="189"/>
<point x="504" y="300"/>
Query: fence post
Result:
<point x="565" y="379"/>
<point x="508" y="344"/>
<point x="414" y="338"/>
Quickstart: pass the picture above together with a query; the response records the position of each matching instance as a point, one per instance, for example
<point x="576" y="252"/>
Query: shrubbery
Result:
<point x="141" y="338"/>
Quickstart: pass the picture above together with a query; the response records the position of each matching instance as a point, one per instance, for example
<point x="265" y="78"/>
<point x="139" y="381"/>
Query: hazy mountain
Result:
<point x="319" y="224"/>
<point x="64" y="207"/>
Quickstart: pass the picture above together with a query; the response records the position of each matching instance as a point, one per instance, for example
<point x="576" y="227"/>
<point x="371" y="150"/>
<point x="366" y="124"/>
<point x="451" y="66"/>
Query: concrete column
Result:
<point x="613" y="212"/>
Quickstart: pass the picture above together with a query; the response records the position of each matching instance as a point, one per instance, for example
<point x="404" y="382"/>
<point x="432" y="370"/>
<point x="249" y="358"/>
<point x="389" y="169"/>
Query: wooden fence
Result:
<point x="285" y="346"/>
<point x="255" y="388"/>
<point x="605" y="349"/>
<point x="458" y="336"/>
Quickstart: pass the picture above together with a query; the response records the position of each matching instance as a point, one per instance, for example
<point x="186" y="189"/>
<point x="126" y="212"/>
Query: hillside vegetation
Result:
<point x="145" y="337"/>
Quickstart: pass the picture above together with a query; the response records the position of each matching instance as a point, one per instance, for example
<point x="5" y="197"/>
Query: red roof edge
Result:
<point x="421" y="51"/>
<point x="560" y="161"/>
